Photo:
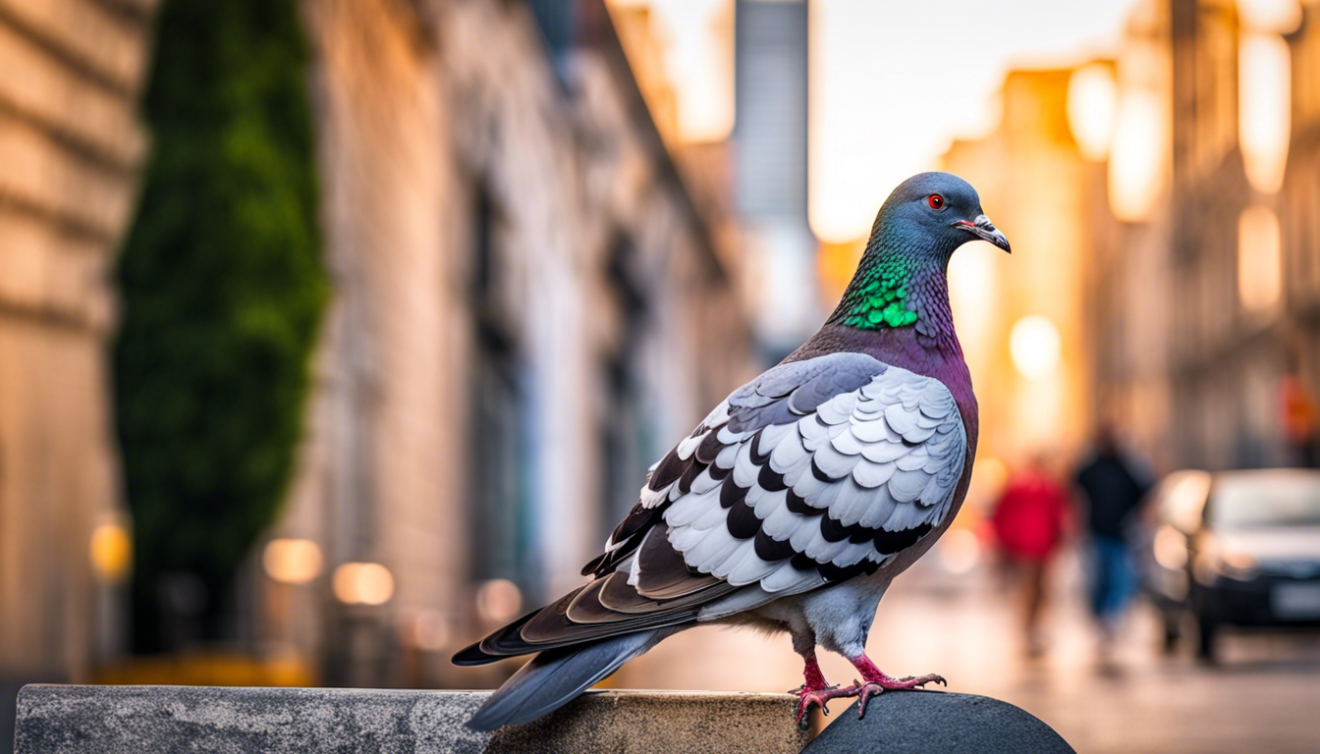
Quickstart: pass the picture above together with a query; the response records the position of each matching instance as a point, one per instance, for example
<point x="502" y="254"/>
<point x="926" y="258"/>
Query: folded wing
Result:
<point x="813" y="473"/>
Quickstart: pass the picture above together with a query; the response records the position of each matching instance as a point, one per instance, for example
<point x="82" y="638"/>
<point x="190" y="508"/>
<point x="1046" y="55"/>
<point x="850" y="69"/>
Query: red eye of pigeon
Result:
<point x="935" y="201"/>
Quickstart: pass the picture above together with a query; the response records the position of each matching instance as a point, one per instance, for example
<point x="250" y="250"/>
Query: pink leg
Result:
<point x="811" y="672"/>
<point x="815" y="692"/>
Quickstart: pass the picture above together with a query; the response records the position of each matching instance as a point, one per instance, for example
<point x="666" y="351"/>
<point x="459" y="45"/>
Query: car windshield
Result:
<point x="1251" y="500"/>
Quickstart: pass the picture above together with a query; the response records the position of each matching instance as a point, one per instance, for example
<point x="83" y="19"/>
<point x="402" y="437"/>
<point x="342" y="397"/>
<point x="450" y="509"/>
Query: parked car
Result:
<point x="1235" y="549"/>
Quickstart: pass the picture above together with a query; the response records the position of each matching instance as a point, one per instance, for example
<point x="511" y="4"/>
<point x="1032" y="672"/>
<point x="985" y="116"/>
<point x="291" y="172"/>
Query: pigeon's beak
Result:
<point x="982" y="228"/>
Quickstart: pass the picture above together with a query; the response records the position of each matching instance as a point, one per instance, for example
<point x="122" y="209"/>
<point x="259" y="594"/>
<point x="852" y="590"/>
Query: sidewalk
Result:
<point x="1259" y="699"/>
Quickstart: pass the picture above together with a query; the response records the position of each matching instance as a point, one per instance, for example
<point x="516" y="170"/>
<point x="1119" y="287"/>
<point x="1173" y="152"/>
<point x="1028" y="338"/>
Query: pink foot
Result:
<point x="808" y="698"/>
<point x="864" y="691"/>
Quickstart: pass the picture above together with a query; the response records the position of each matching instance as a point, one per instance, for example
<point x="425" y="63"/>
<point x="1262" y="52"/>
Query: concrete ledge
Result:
<point x="123" y="719"/>
<point x="934" y="721"/>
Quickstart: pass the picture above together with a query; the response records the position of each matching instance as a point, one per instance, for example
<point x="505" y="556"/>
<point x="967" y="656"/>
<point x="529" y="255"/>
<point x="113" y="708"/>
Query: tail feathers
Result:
<point x="557" y="676"/>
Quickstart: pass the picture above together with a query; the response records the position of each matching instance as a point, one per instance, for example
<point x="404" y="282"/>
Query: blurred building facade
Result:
<point x="1037" y="187"/>
<point x="70" y="146"/>
<point x="536" y="291"/>
<point x="530" y="306"/>
<point x="1208" y="348"/>
<point x="1162" y="205"/>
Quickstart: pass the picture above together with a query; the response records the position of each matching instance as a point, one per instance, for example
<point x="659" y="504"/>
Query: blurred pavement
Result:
<point x="1261" y="697"/>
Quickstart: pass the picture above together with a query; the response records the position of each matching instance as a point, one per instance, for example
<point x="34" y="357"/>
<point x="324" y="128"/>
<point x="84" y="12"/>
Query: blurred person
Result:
<point x="1113" y="486"/>
<point x="1030" y="520"/>
<point x="1300" y="416"/>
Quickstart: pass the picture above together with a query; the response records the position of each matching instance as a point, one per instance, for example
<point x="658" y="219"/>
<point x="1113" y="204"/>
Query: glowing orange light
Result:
<point x="363" y="584"/>
<point x="1264" y="114"/>
<point x="292" y="561"/>
<point x="1136" y="167"/>
<point x="111" y="551"/>
<point x="1280" y="16"/>
<point x="1092" y="109"/>
<point x="1260" y="259"/>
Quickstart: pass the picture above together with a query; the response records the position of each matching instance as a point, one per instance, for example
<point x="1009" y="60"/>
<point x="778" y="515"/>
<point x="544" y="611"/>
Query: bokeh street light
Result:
<point x="363" y="584"/>
<point x="1034" y="345"/>
<point x="1260" y="259"/>
<point x="1092" y="109"/>
<point x="292" y="561"/>
<point x="499" y="600"/>
<point x="1264" y="109"/>
<point x="110" y="551"/>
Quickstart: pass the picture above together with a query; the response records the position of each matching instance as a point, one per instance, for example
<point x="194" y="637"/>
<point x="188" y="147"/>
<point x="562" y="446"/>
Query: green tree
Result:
<point x="222" y="287"/>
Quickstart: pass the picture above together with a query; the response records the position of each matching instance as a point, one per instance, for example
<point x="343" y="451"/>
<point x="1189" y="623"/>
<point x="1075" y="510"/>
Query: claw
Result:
<point x="864" y="694"/>
<point x="864" y="691"/>
<point x="808" y="697"/>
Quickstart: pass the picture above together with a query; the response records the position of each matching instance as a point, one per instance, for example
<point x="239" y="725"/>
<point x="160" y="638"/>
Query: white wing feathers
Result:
<point x="836" y="490"/>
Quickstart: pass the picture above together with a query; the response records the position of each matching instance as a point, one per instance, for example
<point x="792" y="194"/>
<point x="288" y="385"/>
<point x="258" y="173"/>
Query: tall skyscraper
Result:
<point x="770" y="131"/>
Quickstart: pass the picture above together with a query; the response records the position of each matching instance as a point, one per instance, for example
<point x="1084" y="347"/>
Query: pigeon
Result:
<point x="797" y="500"/>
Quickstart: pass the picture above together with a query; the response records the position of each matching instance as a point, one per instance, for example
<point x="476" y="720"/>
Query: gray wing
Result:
<point x="812" y="473"/>
<point x="780" y="396"/>
<point x="838" y="490"/>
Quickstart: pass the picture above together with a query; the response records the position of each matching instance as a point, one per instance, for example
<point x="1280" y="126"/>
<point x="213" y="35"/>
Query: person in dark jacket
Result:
<point x="1112" y="487"/>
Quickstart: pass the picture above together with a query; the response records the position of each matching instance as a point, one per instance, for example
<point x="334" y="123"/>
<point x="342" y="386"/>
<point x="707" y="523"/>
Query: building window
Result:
<point x="624" y="450"/>
<point x="499" y="477"/>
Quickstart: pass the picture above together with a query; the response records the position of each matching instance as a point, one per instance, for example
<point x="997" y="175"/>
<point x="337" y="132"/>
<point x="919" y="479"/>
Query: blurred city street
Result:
<point x="337" y="334"/>
<point x="1258" y="697"/>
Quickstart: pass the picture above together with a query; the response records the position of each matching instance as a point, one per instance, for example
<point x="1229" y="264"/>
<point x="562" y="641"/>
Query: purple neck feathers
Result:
<point x="929" y="346"/>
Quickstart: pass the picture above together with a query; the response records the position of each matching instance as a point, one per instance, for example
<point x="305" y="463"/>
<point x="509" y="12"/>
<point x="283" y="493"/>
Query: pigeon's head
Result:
<point x="936" y="212"/>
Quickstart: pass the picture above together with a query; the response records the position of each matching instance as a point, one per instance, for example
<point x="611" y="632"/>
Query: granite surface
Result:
<point x="115" y="719"/>
<point x="933" y="721"/>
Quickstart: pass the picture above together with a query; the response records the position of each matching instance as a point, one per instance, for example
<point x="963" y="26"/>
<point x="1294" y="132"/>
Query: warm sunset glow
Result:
<point x="1092" y="109"/>
<point x="835" y="265"/>
<point x="1264" y="109"/>
<point x="881" y="108"/>
<point x="697" y="39"/>
<point x="1260" y="261"/>
<point x="1034" y="345"/>
<point x="1137" y="164"/>
<point x="363" y="584"/>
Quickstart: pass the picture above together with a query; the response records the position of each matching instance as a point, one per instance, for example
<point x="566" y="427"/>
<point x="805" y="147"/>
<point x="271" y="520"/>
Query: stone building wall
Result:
<point x="529" y="308"/>
<point x="70" y="146"/>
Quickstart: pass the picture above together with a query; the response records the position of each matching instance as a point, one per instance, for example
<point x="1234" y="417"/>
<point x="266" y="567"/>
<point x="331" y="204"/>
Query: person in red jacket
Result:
<point x="1029" y="521"/>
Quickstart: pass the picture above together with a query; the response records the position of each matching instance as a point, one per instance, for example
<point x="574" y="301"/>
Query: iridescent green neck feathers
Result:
<point x="879" y="297"/>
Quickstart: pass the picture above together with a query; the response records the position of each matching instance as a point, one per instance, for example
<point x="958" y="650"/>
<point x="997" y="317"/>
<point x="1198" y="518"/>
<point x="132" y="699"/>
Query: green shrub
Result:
<point x="222" y="290"/>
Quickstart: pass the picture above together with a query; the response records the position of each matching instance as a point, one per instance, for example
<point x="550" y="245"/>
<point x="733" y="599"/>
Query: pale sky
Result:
<point x="893" y="82"/>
